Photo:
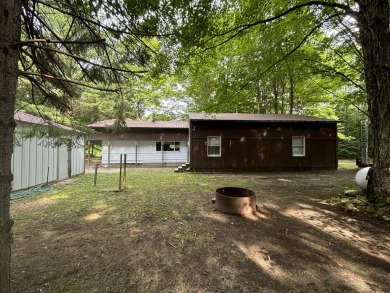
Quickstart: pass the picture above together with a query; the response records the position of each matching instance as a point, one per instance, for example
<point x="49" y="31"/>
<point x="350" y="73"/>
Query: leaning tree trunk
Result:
<point x="373" y="22"/>
<point x="10" y="25"/>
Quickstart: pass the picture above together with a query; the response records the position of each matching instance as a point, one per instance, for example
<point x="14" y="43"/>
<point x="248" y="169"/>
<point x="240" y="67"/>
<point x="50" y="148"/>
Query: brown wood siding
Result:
<point x="263" y="146"/>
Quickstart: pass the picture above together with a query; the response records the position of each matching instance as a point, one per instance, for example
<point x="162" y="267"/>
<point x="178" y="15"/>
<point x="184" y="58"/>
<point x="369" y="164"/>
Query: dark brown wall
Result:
<point x="263" y="146"/>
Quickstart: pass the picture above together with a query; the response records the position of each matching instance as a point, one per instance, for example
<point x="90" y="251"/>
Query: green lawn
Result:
<point x="162" y="234"/>
<point x="347" y="164"/>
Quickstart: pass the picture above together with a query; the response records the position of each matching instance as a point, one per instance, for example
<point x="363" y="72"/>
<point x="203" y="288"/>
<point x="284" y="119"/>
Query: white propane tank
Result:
<point x="361" y="177"/>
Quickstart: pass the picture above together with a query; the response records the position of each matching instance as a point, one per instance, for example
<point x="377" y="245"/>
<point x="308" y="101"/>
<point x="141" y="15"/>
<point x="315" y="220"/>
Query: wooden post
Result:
<point x="124" y="172"/>
<point x="188" y="151"/>
<point x="120" y="173"/>
<point x="95" y="177"/>
<point x="136" y="153"/>
<point x="69" y="161"/>
<point x="162" y="154"/>
<point x="109" y="153"/>
<point x="89" y="153"/>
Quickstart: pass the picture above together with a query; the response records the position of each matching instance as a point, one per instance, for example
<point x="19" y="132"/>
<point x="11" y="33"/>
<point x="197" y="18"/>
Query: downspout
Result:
<point x="162" y="153"/>
<point x="84" y="155"/>
<point x="89" y="154"/>
<point x="189" y="140"/>
<point x="58" y="161"/>
<point x="69" y="150"/>
<point x="109" y="153"/>
<point x="136" y="153"/>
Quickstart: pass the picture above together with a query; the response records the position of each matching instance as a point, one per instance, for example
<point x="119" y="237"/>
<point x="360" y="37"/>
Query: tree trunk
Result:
<point x="138" y="110"/>
<point x="10" y="24"/>
<point x="373" y="19"/>
<point x="276" y="96"/>
<point x="291" y="107"/>
<point x="260" y="97"/>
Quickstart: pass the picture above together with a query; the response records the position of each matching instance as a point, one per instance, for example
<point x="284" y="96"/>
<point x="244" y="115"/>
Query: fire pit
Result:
<point x="235" y="201"/>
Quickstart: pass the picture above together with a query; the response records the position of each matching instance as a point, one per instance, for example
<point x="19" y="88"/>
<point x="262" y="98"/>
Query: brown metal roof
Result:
<point x="28" y="118"/>
<point x="256" y="117"/>
<point x="214" y="117"/>
<point x="142" y="124"/>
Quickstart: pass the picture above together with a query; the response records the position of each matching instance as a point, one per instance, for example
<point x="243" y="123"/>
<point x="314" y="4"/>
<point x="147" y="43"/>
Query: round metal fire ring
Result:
<point x="235" y="201"/>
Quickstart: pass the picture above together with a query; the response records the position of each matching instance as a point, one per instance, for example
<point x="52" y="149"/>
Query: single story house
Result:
<point x="232" y="141"/>
<point x="225" y="142"/>
<point x="41" y="158"/>
<point x="143" y="142"/>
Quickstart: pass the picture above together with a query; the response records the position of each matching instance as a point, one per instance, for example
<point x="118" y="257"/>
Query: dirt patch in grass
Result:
<point x="162" y="234"/>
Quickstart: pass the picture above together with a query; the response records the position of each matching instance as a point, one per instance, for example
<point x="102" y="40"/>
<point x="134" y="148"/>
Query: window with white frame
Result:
<point x="213" y="146"/>
<point x="298" y="146"/>
<point x="168" y="146"/>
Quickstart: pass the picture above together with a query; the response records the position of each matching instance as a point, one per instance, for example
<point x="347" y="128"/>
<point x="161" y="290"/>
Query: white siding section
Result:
<point x="78" y="159"/>
<point x="147" y="153"/>
<point x="50" y="154"/>
<point x="62" y="159"/>
<point x="36" y="161"/>
<point x="142" y="152"/>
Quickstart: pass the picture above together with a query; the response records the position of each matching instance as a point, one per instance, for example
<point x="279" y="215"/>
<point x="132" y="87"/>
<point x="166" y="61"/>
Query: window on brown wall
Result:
<point x="298" y="146"/>
<point x="213" y="146"/>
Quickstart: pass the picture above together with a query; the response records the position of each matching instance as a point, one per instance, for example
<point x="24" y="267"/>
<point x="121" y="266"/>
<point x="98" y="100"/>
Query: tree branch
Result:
<point x="43" y="67"/>
<point x="83" y="59"/>
<point x="330" y="69"/>
<point x="57" y="37"/>
<point x="29" y="42"/>
<point x="238" y="29"/>
<point x="288" y="54"/>
<point x="47" y="76"/>
<point x="47" y="95"/>
<point x="302" y="42"/>
<point x="346" y="62"/>
<point x="57" y="8"/>
<point x="336" y="96"/>
<point x="353" y="36"/>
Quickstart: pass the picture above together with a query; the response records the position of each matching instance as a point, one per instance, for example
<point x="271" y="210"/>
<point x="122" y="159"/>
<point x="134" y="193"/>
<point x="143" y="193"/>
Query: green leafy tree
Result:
<point x="365" y="29"/>
<point x="353" y="140"/>
<point x="281" y="68"/>
<point x="57" y="49"/>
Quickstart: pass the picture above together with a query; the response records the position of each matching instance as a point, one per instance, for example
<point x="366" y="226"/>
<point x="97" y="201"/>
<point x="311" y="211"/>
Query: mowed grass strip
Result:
<point x="158" y="193"/>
